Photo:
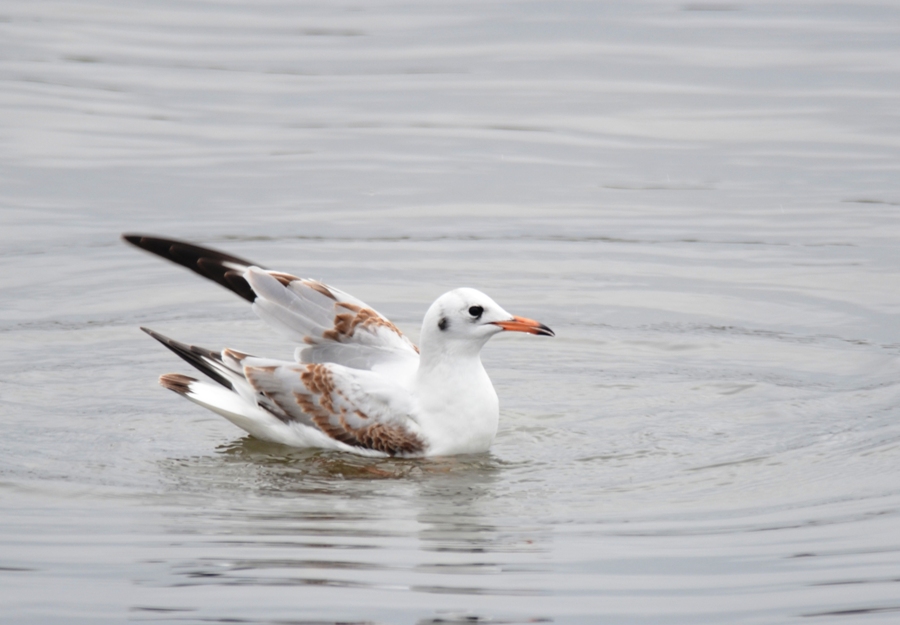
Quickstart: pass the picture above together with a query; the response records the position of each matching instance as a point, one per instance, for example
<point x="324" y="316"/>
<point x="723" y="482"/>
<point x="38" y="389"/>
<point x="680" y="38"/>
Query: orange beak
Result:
<point x="521" y="324"/>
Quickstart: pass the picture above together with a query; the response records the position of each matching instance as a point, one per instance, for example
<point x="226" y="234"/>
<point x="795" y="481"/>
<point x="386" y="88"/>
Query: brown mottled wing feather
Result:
<point x="336" y="326"/>
<point x="357" y="408"/>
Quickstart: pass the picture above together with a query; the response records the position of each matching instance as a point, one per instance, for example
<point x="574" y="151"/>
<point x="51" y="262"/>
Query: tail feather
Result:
<point x="181" y="384"/>
<point x="226" y="368"/>
<point x="221" y="268"/>
<point x="250" y="418"/>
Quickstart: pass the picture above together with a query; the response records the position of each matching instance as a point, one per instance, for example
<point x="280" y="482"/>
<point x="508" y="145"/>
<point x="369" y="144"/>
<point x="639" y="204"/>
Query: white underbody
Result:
<point x="453" y="412"/>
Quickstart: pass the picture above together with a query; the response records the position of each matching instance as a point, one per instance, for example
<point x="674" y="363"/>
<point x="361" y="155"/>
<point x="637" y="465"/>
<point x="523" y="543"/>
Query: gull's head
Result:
<point x="464" y="319"/>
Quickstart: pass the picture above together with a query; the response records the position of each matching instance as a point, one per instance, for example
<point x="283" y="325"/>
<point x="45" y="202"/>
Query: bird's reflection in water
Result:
<point x="280" y="461"/>
<point x="450" y="618"/>
<point x="258" y="514"/>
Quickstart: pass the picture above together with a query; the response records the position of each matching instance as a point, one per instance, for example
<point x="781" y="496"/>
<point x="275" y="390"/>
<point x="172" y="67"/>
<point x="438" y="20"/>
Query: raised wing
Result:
<point x="334" y="326"/>
<point x="357" y="408"/>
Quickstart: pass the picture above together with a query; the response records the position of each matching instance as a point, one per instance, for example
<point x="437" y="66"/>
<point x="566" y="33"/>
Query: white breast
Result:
<point x="458" y="409"/>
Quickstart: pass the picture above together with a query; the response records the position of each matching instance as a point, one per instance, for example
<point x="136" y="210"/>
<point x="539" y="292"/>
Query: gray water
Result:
<point x="700" y="198"/>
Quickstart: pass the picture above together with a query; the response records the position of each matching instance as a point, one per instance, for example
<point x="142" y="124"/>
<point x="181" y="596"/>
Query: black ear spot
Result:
<point x="443" y="324"/>
<point x="476" y="311"/>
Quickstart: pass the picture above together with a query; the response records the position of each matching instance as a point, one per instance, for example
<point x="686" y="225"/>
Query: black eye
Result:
<point x="476" y="311"/>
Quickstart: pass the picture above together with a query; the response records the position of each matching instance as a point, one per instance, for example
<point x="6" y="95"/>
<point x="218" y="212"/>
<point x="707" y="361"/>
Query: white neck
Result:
<point x="455" y="395"/>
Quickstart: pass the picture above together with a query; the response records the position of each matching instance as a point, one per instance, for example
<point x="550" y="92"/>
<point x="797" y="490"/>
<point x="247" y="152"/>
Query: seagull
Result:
<point x="357" y="384"/>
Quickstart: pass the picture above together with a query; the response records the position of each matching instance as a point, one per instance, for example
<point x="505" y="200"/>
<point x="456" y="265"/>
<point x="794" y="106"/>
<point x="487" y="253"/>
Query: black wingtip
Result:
<point x="221" y="268"/>
<point x="198" y="357"/>
<point x="165" y="340"/>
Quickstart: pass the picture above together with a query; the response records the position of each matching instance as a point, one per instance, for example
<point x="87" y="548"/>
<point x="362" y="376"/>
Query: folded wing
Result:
<point x="358" y="408"/>
<point x="284" y="402"/>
